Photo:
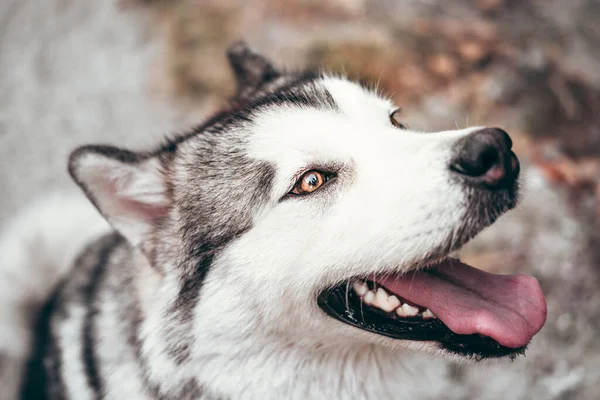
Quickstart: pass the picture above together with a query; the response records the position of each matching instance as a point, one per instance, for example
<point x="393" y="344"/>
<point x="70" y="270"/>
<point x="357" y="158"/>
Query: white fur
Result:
<point x="118" y="365"/>
<point x="394" y="202"/>
<point x="257" y="331"/>
<point x="71" y="341"/>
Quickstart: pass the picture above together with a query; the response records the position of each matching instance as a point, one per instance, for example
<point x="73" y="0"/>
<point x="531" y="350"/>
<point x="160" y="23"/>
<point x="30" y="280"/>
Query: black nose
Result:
<point x="485" y="158"/>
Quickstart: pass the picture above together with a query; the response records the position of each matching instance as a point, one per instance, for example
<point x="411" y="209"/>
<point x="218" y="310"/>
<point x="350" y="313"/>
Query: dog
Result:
<point x="294" y="245"/>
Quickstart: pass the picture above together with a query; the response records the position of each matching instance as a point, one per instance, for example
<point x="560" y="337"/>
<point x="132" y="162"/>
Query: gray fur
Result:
<point x="252" y="70"/>
<point x="164" y="307"/>
<point x="214" y="190"/>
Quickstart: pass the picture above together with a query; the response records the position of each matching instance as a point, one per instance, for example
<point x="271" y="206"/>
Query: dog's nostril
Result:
<point x="486" y="160"/>
<point x="477" y="155"/>
<point x="484" y="157"/>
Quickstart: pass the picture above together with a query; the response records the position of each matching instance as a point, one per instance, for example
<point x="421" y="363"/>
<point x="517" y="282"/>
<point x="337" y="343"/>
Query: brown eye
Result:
<point x="395" y="119"/>
<point x="309" y="182"/>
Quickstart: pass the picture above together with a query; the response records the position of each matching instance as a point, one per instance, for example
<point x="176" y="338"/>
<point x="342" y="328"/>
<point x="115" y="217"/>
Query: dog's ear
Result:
<point x="251" y="69"/>
<point x="127" y="188"/>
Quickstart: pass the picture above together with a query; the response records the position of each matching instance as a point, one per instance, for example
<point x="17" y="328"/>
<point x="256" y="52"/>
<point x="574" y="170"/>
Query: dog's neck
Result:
<point x="224" y="353"/>
<point x="265" y="368"/>
<point x="234" y="358"/>
<point x="262" y="367"/>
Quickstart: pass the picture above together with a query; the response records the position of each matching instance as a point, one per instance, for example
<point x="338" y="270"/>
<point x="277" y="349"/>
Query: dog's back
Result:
<point x="37" y="249"/>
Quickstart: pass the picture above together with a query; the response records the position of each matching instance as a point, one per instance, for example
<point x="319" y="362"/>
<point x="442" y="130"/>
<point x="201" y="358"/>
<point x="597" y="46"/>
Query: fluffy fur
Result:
<point x="206" y="286"/>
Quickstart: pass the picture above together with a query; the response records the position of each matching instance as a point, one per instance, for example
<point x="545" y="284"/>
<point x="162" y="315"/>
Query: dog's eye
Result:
<point x="395" y="119"/>
<point x="310" y="181"/>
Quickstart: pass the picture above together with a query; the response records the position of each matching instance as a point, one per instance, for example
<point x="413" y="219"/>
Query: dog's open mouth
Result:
<point x="464" y="309"/>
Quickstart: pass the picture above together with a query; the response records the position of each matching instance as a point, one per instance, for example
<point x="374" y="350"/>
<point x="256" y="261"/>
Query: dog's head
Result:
<point x="310" y="208"/>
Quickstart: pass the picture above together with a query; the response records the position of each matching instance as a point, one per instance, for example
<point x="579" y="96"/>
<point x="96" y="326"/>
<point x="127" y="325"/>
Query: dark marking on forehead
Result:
<point x="304" y="92"/>
<point x="301" y="91"/>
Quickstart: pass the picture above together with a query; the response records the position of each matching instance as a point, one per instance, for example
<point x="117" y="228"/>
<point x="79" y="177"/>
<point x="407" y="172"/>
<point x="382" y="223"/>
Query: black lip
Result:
<point x="344" y="305"/>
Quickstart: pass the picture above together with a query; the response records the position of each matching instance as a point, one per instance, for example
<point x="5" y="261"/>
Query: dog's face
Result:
<point x="309" y="206"/>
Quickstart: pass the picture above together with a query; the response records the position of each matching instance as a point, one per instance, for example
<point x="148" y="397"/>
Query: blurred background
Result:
<point x="127" y="72"/>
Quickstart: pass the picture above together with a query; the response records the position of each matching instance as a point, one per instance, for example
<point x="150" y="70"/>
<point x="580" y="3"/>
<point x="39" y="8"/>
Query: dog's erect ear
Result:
<point x="128" y="189"/>
<point x="251" y="69"/>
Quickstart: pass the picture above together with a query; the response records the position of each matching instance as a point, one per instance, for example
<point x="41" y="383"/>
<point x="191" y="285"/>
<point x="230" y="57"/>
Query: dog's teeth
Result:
<point x="376" y="300"/>
<point x="386" y="302"/>
<point x="409" y="311"/>
<point x="369" y="298"/>
<point x="360" y="288"/>
<point x="381" y="297"/>
<point x="383" y="301"/>
<point x="394" y="302"/>
<point x="400" y="312"/>
<point x="381" y="294"/>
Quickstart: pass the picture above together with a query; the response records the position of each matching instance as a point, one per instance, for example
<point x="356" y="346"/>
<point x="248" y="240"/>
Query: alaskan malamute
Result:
<point x="293" y="246"/>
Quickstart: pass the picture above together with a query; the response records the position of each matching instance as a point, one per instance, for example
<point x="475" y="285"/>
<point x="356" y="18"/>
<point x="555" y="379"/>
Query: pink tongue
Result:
<point x="508" y="308"/>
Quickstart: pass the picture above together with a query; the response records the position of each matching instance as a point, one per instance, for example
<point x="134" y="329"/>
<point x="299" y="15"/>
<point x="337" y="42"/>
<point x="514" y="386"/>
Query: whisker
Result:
<point x="347" y="303"/>
<point x="362" y="314"/>
<point x="343" y="65"/>
<point x="379" y="79"/>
